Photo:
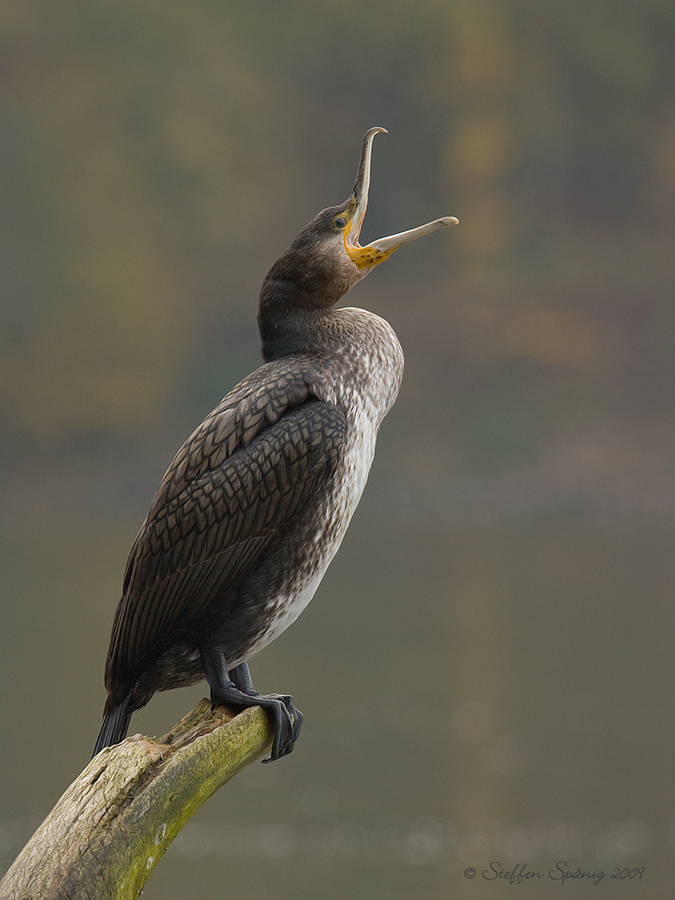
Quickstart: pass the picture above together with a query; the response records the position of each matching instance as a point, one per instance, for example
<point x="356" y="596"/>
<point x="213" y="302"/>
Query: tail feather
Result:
<point x="115" y="725"/>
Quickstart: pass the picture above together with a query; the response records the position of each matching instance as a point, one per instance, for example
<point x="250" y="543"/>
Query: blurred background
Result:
<point x="486" y="670"/>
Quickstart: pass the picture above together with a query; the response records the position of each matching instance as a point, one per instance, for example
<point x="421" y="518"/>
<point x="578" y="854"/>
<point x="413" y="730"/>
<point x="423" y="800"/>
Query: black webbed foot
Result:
<point x="287" y="722"/>
<point x="235" y="688"/>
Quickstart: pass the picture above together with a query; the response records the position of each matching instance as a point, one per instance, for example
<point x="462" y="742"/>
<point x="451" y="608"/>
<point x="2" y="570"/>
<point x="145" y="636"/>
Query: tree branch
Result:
<point x="111" y="827"/>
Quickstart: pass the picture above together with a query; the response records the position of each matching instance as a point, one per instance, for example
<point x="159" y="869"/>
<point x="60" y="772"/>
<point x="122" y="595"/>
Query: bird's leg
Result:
<point x="241" y="676"/>
<point x="236" y="689"/>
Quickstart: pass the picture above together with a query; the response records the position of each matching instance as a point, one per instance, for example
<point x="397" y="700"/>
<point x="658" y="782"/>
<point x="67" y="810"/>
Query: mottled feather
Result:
<point x="246" y="472"/>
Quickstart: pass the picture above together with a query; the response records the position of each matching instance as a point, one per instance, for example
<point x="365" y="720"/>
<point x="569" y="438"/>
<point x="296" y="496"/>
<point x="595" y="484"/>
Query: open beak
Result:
<point x="377" y="251"/>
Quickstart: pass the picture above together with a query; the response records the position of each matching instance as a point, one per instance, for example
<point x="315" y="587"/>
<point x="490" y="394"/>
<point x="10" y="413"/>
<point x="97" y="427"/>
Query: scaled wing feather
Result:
<point x="249" y="469"/>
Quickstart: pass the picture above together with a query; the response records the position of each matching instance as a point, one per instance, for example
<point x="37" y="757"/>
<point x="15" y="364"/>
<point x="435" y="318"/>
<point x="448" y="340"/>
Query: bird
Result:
<point x="256" y="502"/>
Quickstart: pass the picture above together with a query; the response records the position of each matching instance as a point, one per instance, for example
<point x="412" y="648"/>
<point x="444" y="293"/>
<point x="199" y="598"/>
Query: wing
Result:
<point x="251" y="467"/>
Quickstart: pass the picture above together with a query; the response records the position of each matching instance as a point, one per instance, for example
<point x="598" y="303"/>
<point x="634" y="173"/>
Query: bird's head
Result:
<point x="326" y="258"/>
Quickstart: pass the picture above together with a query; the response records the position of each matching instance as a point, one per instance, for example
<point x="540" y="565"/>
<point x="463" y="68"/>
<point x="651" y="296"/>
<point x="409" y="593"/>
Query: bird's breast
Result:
<point x="362" y="375"/>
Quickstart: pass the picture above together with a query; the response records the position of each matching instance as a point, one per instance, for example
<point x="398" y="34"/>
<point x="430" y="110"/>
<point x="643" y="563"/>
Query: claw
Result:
<point x="287" y="722"/>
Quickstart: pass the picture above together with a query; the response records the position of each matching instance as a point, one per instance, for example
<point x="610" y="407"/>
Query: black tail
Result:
<point x="115" y="725"/>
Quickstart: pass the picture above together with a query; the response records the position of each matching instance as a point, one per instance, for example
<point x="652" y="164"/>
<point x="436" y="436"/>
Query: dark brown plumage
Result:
<point x="255" y="504"/>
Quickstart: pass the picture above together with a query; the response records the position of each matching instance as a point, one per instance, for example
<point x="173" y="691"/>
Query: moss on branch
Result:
<point x="114" y="823"/>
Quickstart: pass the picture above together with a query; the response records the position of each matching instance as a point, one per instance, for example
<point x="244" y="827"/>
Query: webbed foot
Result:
<point x="235" y="688"/>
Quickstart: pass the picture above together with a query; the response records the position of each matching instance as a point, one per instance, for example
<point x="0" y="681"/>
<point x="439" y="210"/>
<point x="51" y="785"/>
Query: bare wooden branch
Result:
<point x="111" y="827"/>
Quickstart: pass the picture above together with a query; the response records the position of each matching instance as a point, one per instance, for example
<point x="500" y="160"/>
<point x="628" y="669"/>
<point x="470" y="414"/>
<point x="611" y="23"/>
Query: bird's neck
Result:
<point x="288" y="318"/>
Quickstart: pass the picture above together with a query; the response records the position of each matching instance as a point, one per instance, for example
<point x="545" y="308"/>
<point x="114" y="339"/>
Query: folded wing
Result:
<point x="251" y="468"/>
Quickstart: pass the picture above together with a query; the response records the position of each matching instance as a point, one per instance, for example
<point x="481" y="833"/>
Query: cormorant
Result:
<point x="256" y="502"/>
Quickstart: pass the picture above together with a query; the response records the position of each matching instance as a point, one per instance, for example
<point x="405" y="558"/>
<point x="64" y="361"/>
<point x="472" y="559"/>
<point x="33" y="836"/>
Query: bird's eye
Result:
<point x="340" y="222"/>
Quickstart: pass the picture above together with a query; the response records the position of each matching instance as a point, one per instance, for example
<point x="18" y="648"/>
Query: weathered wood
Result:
<point x="113" y="824"/>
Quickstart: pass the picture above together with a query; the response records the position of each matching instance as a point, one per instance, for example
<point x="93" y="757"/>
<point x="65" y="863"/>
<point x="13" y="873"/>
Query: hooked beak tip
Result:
<point x="377" y="251"/>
